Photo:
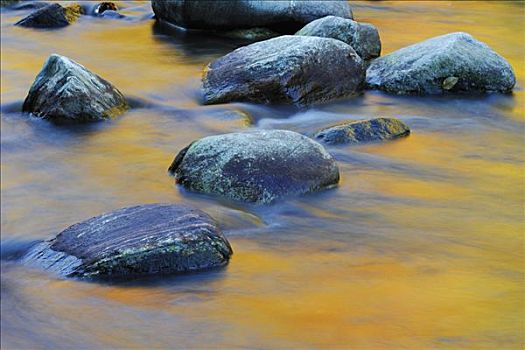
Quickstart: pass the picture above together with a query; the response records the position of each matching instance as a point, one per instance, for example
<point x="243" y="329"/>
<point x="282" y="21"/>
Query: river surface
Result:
<point x="421" y="246"/>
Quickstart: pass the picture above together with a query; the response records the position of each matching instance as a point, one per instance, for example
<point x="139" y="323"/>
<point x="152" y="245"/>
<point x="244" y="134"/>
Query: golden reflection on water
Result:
<point x="445" y="270"/>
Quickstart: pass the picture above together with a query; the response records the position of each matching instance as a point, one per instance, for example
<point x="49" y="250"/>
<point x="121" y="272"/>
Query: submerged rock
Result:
<point x="454" y="62"/>
<point x="287" y="69"/>
<point x="136" y="241"/>
<point x="65" y="91"/>
<point x="363" y="37"/>
<point x="286" y="16"/>
<point x="361" y="131"/>
<point x="51" y="16"/>
<point x="258" y="166"/>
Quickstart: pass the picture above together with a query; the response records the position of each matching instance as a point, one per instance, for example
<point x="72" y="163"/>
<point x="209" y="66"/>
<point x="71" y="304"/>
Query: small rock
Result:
<point x="51" y="16"/>
<point x="286" y="16"/>
<point x="65" y="91"/>
<point x="105" y="6"/>
<point x="361" y="131"/>
<point x="363" y="37"/>
<point x="454" y="62"/>
<point x="258" y="166"/>
<point x="136" y="241"/>
<point x="287" y="69"/>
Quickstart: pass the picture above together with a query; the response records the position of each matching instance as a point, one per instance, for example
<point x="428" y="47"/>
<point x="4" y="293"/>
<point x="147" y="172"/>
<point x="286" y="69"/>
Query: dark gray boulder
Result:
<point x="361" y="131"/>
<point x="136" y="241"/>
<point x="258" y="166"/>
<point x="288" y="69"/>
<point x="51" y="16"/>
<point x="285" y="16"/>
<point x="363" y="37"/>
<point x="454" y="62"/>
<point x="65" y="91"/>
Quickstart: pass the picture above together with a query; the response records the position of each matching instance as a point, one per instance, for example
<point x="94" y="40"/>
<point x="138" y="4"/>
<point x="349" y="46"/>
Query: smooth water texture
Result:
<point x="419" y="247"/>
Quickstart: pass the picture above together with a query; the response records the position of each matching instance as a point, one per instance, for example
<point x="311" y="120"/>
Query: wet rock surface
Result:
<point x="362" y="131"/>
<point x="51" y="16"/>
<point x="454" y="62"/>
<point x="285" y="16"/>
<point x="142" y="240"/>
<point x="363" y="37"/>
<point x="258" y="166"/>
<point x="65" y="91"/>
<point x="288" y="69"/>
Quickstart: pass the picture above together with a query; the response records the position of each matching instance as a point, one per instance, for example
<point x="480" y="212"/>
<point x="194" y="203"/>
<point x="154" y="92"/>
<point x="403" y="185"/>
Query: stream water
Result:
<point x="421" y="246"/>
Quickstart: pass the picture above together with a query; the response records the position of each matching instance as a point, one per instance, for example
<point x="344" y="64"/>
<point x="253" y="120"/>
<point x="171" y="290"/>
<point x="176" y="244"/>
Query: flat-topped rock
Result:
<point x="136" y="241"/>
<point x="362" y="131"/>
<point x="363" y="37"/>
<point x="290" y="69"/>
<point x="286" y="16"/>
<point x="51" y="16"/>
<point x="257" y="166"/>
<point x="454" y="62"/>
<point x="65" y="91"/>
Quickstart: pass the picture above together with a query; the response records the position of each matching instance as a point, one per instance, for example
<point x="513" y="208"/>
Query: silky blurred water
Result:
<point x="421" y="245"/>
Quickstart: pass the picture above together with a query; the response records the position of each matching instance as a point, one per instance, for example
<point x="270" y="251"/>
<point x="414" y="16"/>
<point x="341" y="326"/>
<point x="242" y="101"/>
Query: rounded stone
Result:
<point x="455" y="63"/>
<point x="363" y="37"/>
<point x="299" y="70"/>
<point x="286" y="16"/>
<point x="258" y="166"/>
<point x="142" y="240"/>
<point x="361" y="131"/>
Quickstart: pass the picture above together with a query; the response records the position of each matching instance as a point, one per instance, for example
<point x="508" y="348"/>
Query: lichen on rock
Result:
<point x="451" y="63"/>
<point x="258" y="166"/>
<point x="361" y="131"/>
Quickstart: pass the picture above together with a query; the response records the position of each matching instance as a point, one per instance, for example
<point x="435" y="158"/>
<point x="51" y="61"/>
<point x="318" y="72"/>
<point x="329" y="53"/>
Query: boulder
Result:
<point x="288" y="69"/>
<point x="454" y="62"/>
<point x="286" y="16"/>
<point x="361" y="131"/>
<point x="65" y="91"/>
<point x="51" y="16"/>
<point x="363" y="37"/>
<point x="136" y="241"/>
<point x="258" y="166"/>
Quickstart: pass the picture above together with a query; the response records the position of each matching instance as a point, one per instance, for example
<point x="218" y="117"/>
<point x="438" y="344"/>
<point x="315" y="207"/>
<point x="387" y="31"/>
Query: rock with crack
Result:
<point x="454" y="62"/>
<point x="363" y="37"/>
<point x="291" y="69"/>
<point x="285" y="16"/>
<point x="65" y="91"/>
<point x="137" y="241"/>
<point x="257" y="166"/>
<point x="362" y="131"/>
<point x="51" y="16"/>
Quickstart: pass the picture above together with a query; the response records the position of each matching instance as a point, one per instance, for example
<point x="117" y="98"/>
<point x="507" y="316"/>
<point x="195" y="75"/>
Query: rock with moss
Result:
<point x="451" y="63"/>
<point x="286" y="16"/>
<point x="136" y="241"/>
<point x="289" y="69"/>
<point x="361" y="131"/>
<point x="257" y="166"/>
<point x="65" y="91"/>
<point x="363" y="37"/>
<point x="51" y="16"/>
<point x="8" y="3"/>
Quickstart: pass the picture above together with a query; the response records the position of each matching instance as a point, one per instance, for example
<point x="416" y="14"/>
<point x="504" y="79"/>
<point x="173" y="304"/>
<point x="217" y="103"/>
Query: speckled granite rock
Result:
<point x="454" y="62"/>
<point x="286" y="16"/>
<point x="51" y="16"/>
<point x="136" y="241"/>
<point x="363" y="37"/>
<point x="287" y="69"/>
<point x="361" y="131"/>
<point x="65" y="91"/>
<point x="258" y="166"/>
